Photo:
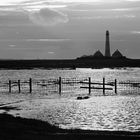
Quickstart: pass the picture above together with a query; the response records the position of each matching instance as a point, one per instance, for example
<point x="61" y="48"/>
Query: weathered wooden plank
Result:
<point x="116" y="86"/>
<point x="89" y="85"/>
<point x="127" y="83"/>
<point x="19" y="89"/>
<point x="110" y="84"/>
<point x="10" y="87"/>
<point x="60" y="85"/>
<point x="103" y="86"/>
<point x="97" y="88"/>
<point x="30" y="85"/>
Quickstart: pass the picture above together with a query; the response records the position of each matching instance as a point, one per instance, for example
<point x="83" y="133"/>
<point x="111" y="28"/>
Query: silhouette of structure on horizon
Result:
<point x="117" y="54"/>
<point x="107" y="45"/>
<point x="98" y="55"/>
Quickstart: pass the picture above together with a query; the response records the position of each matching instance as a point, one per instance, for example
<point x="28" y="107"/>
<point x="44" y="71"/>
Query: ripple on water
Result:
<point x="96" y="113"/>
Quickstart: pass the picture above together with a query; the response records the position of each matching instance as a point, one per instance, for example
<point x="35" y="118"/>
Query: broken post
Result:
<point x="89" y="85"/>
<point x="103" y="86"/>
<point x="30" y="85"/>
<point x="115" y="86"/>
<point x="19" y="90"/>
<point x="60" y="84"/>
<point x="10" y="86"/>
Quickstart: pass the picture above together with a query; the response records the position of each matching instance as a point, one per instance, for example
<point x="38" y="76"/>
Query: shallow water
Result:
<point x="96" y="113"/>
<point x="112" y="112"/>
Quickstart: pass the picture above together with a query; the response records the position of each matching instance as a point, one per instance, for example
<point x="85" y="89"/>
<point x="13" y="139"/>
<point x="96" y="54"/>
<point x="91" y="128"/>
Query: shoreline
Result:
<point x="68" y="63"/>
<point x="20" y="128"/>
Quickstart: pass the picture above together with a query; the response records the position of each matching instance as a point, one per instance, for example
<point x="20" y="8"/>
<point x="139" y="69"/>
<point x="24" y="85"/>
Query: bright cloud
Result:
<point x="12" y="2"/>
<point x="106" y="17"/>
<point x="48" y="17"/>
<point x="135" y="32"/>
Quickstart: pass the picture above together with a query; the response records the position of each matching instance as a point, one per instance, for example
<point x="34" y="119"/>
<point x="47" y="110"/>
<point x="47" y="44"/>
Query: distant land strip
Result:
<point x="69" y="63"/>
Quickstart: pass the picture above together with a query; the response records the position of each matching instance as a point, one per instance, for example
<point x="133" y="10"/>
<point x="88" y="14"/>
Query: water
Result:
<point x="124" y="73"/>
<point x="115" y="112"/>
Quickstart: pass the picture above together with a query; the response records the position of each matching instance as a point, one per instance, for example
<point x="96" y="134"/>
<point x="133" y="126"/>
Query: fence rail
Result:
<point x="61" y="85"/>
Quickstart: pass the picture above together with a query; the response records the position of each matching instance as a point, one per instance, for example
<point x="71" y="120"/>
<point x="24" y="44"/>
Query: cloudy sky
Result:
<point x="63" y="29"/>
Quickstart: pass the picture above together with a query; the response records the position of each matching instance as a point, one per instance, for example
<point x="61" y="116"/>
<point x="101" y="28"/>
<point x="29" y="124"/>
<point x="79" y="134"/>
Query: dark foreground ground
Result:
<point x="16" y="128"/>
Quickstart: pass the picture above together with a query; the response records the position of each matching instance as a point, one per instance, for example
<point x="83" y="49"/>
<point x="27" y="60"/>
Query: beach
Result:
<point x="14" y="128"/>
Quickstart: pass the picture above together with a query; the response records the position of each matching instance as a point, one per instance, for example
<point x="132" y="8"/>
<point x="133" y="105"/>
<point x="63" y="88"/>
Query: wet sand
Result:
<point x="15" y="128"/>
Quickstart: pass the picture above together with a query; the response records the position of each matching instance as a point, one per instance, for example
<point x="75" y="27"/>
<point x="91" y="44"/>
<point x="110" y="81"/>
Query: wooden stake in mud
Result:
<point x="10" y="86"/>
<point x="19" y="90"/>
<point x="30" y="85"/>
<point x="103" y="86"/>
<point x="115" y="86"/>
<point x="89" y="85"/>
<point x="60" y="85"/>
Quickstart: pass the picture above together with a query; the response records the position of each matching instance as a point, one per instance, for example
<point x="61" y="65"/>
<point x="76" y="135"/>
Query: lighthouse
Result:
<point x="107" y="45"/>
<point x="98" y="54"/>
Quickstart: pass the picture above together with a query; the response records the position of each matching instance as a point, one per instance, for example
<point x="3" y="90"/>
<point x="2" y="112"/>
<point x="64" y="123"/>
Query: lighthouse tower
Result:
<point x="107" y="45"/>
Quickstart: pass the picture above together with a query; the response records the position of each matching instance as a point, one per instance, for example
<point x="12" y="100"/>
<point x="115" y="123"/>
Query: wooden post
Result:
<point x="30" y="85"/>
<point x="89" y="85"/>
<point x="10" y="86"/>
<point x="103" y="86"/>
<point x="60" y="85"/>
<point x="19" y="86"/>
<point x="115" y="86"/>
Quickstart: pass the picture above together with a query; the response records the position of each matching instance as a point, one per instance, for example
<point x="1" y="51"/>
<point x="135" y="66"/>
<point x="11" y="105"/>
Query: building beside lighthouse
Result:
<point x="98" y="54"/>
<point x="117" y="54"/>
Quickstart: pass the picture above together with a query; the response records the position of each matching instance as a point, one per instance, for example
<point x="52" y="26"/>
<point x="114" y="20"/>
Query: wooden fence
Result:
<point x="60" y="85"/>
<point x="91" y="85"/>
